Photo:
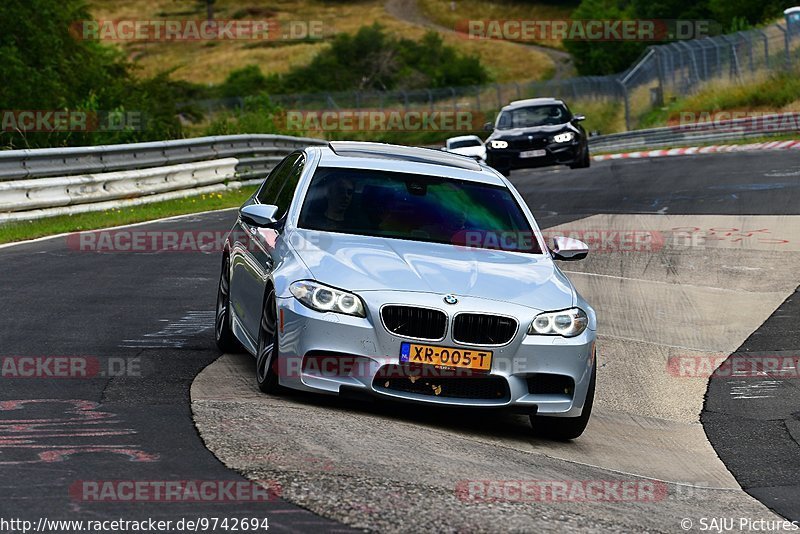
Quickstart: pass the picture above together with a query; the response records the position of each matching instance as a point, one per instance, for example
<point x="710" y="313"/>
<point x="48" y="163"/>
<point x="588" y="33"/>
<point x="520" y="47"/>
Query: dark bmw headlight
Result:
<point x="566" y="323"/>
<point x="322" y="298"/>
<point x="498" y="143"/>
<point x="564" y="137"/>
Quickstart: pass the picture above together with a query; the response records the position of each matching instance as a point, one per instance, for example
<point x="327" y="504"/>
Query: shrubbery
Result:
<point x="371" y="59"/>
<point x="44" y="67"/>
<point x="592" y="57"/>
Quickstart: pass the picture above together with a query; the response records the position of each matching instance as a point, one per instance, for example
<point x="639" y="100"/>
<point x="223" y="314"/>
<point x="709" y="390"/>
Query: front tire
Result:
<point x="267" y="355"/>
<point x="585" y="161"/>
<point x="223" y="334"/>
<point x="566" y="428"/>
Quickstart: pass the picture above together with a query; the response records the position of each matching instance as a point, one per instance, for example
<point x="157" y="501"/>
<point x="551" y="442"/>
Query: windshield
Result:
<point x="530" y="116"/>
<point x="463" y="143"/>
<point x="419" y="208"/>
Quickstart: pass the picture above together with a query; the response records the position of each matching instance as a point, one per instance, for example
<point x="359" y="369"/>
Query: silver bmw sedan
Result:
<point x="408" y="274"/>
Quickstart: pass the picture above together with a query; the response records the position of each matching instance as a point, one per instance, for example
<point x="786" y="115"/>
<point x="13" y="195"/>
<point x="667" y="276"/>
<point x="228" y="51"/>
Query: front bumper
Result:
<point x="334" y="353"/>
<point x="555" y="154"/>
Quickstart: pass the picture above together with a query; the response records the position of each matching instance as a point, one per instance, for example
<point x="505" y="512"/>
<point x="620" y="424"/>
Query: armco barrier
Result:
<point x="700" y="133"/>
<point x="23" y="195"/>
<point x="45" y="182"/>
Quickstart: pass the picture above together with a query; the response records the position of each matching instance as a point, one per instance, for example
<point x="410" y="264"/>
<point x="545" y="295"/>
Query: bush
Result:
<point x="374" y="60"/>
<point x="46" y="66"/>
<point x="259" y="115"/>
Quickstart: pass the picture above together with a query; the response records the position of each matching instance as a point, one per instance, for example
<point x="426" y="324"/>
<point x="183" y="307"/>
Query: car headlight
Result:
<point x="322" y="298"/>
<point x="566" y="323"/>
<point x="565" y="137"/>
<point x="499" y="144"/>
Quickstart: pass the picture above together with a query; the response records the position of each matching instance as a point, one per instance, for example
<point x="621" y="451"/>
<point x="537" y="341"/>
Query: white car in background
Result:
<point x="467" y="145"/>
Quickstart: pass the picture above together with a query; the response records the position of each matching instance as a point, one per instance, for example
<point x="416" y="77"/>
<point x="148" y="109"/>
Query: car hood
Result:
<point x="358" y="263"/>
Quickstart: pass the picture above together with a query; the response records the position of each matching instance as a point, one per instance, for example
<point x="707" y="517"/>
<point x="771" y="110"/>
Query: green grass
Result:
<point x="22" y="230"/>
<point x="776" y="93"/>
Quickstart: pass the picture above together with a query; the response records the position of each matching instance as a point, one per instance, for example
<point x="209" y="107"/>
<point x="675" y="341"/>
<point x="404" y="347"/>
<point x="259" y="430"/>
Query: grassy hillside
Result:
<point x="449" y="13"/>
<point x="211" y="62"/>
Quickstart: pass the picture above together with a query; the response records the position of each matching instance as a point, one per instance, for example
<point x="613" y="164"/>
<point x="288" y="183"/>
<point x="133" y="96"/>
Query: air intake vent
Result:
<point x="479" y="329"/>
<point x="419" y="323"/>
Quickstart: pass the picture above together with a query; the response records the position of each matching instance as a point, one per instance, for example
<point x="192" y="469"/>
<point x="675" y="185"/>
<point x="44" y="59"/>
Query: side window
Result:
<point x="286" y="194"/>
<point x="268" y="194"/>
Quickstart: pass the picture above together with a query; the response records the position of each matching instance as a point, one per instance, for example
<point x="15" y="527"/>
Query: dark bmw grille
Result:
<point x="524" y="143"/>
<point x="479" y="329"/>
<point x="410" y="321"/>
<point x="402" y="379"/>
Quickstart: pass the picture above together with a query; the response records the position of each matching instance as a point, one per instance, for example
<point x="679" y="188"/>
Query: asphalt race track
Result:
<point x="144" y="322"/>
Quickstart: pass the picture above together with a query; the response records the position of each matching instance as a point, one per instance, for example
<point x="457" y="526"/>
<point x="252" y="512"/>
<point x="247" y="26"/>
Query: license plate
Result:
<point x="480" y="360"/>
<point x="533" y="153"/>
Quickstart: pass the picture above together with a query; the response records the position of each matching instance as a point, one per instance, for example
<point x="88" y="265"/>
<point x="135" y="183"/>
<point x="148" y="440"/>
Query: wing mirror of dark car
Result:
<point x="489" y="127"/>
<point x="260" y="215"/>
<point x="568" y="249"/>
<point x="579" y="118"/>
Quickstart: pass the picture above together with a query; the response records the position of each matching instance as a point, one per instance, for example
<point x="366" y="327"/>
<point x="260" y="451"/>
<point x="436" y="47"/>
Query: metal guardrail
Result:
<point x="698" y="133"/>
<point x="54" y="181"/>
<point x="46" y="182"/>
<point x="250" y="149"/>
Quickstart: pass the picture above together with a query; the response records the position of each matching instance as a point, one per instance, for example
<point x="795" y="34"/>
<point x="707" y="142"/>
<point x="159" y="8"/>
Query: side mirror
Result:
<point x="489" y="127"/>
<point x="568" y="249"/>
<point x="578" y="118"/>
<point x="260" y="215"/>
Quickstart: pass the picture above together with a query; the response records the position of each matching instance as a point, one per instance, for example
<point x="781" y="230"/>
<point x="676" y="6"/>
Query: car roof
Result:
<point x="532" y="102"/>
<point x="398" y="158"/>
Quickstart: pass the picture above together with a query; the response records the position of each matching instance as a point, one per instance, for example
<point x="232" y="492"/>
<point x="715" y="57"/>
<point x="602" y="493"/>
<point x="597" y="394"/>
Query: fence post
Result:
<point x="786" y="46"/>
<point x="627" y="106"/>
<point x="734" y="67"/>
<point x="748" y="38"/>
<point x="766" y="47"/>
